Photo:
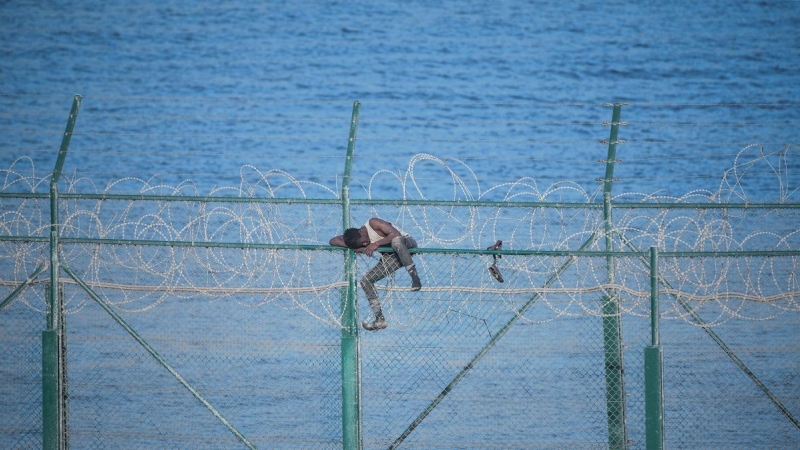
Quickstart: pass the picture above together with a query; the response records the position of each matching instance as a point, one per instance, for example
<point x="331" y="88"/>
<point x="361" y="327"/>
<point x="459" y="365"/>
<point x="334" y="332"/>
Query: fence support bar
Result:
<point x="653" y="369"/>
<point x="22" y="286"/>
<point x="488" y="346"/>
<point x="724" y="347"/>
<point x="156" y="356"/>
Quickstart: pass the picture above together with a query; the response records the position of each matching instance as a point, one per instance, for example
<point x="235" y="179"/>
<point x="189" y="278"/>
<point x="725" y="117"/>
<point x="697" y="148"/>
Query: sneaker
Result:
<point x="374" y="326"/>
<point x="415" y="283"/>
<point x="495" y="273"/>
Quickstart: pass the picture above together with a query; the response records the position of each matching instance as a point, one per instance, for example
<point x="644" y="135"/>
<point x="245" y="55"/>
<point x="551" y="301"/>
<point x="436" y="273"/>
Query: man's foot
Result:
<point x="415" y="283"/>
<point x="379" y="324"/>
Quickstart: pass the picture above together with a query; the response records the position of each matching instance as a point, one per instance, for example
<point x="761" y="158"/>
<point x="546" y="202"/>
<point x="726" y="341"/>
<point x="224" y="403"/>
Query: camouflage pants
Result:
<point x="389" y="263"/>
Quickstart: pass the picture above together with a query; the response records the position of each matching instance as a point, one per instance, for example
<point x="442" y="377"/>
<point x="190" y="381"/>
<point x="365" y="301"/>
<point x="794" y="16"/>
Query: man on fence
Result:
<point x="377" y="233"/>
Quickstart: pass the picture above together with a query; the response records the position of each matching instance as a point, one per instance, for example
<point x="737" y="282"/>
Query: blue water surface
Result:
<point x="175" y="91"/>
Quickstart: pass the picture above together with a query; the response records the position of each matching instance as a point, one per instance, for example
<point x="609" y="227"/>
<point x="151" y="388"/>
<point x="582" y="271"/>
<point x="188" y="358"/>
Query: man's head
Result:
<point x="354" y="239"/>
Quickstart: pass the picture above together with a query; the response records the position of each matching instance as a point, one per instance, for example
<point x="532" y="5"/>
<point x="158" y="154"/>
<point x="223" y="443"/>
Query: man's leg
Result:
<point x="400" y="245"/>
<point x="388" y="264"/>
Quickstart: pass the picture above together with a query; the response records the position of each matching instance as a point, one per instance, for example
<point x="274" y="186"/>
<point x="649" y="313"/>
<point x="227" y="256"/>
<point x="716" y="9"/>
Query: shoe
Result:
<point x="374" y="326"/>
<point x="495" y="273"/>
<point x="493" y="268"/>
<point x="415" y="283"/>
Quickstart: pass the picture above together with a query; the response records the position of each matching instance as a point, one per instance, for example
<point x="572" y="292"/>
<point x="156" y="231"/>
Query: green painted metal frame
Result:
<point x="350" y="348"/>
<point x="53" y="410"/>
<point x="713" y="335"/>
<point x="492" y="342"/>
<point x="463" y="251"/>
<point x="653" y="368"/>
<point x="54" y="420"/>
<point x="612" y="320"/>
<point x="404" y="202"/>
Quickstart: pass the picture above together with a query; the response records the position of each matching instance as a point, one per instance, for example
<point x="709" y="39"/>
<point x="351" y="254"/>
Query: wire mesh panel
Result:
<point x="731" y="358"/>
<point x="480" y="364"/>
<point x="21" y="323"/>
<point x="216" y="321"/>
<point x="248" y="334"/>
<point x="22" y="319"/>
<point x="258" y="358"/>
<point x="711" y="402"/>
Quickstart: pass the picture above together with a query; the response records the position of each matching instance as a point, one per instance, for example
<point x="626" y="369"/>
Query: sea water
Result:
<point x="175" y="91"/>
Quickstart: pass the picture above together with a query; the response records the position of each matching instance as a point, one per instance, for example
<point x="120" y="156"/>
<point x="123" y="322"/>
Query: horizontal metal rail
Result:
<point x="418" y="250"/>
<point x="407" y="202"/>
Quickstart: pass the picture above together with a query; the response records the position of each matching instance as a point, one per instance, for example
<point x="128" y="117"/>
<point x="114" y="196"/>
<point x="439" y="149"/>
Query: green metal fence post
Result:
<point x="351" y="373"/>
<point x="51" y="423"/>
<point x="53" y="411"/>
<point x="653" y="369"/>
<point x="612" y="325"/>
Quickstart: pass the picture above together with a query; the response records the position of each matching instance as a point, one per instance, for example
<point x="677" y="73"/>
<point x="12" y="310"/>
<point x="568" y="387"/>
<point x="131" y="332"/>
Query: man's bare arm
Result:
<point x="338" y="241"/>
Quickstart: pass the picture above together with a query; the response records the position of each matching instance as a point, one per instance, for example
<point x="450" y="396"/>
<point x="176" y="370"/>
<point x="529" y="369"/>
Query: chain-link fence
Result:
<point x="21" y="325"/>
<point x="209" y="328"/>
<point x="143" y="316"/>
